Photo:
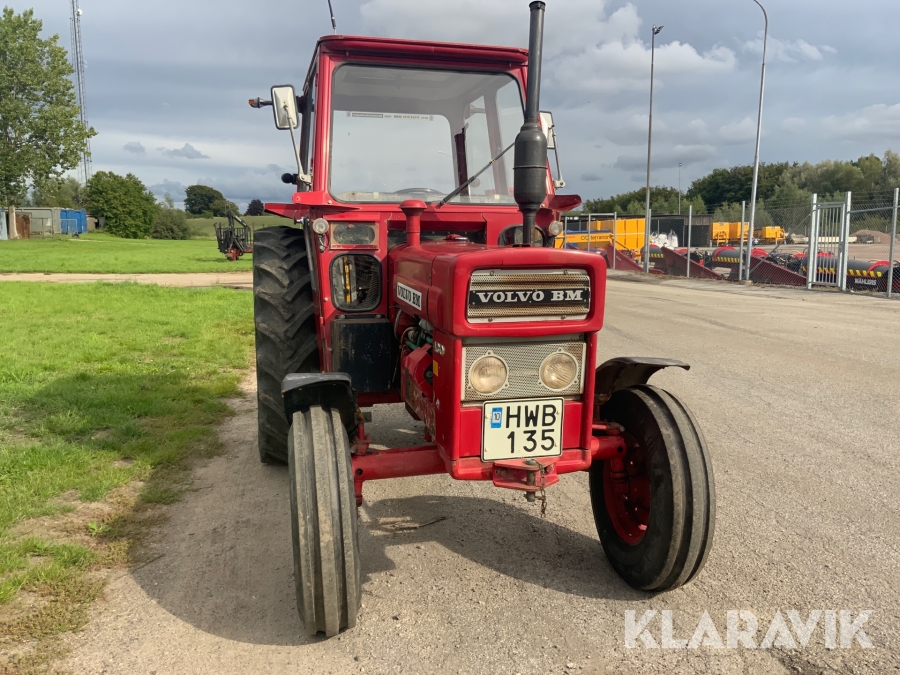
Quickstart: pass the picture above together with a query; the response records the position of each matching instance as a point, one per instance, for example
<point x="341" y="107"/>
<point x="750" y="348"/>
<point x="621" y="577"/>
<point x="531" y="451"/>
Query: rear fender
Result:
<point x="627" y="371"/>
<point x="333" y="390"/>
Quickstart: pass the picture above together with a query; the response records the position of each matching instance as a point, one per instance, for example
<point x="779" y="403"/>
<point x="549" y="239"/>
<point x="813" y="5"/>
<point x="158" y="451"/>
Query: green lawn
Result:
<point x="103" y="253"/>
<point x="100" y="385"/>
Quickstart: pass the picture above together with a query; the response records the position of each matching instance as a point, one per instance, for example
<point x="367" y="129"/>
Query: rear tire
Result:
<point x="656" y="521"/>
<point x="285" y="329"/>
<point x="323" y="522"/>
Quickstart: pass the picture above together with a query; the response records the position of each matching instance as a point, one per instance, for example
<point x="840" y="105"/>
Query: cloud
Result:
<point x="590" y="177"/>
<point x="667" y="158"/>
<point x="175" y="189"/>
<point x="270" y="168"/>
<point x="634" y="131"/>
<point x="878" y="123"/>
<point x="735" y="133"/>
<point x="586" y="50"/>
<point x="788" y="51"/>
<point x="793" y="124"/>
<point x="135" y="147"/>
<point x="187" y="151"/>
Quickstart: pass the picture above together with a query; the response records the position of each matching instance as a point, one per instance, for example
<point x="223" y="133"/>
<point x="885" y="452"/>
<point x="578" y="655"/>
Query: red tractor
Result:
<point x="420" y="270"/>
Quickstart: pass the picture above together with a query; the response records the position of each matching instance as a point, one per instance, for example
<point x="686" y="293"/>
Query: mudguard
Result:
<point x="333" y="390"/>
<point x="627" y="371"/>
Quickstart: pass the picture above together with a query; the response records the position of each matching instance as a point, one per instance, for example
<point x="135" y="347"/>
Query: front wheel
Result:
<point x="323" y="522"/>
<point x="655" y="507"/>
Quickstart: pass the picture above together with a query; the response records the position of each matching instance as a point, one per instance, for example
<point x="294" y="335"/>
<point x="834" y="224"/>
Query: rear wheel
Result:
<point x="323" y="522"/>
<point x="655" y="507"/>
<point x="285" y="329"/>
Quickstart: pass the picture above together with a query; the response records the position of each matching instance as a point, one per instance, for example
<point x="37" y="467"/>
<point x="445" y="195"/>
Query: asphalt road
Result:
<point x="799" y="396"/>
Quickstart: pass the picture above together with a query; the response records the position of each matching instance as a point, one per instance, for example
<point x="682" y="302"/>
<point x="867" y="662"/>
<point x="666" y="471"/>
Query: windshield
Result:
<point x="403" y="133"/>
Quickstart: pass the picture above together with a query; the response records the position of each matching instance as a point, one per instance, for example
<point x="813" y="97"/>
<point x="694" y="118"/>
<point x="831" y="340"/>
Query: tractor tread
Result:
<point x="285" y="329"/>
<point x="323" y="522"/>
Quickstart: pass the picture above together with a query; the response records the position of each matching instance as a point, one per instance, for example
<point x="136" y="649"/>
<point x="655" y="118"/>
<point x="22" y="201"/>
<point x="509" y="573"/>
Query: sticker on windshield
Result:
<point x="390" y="116"/>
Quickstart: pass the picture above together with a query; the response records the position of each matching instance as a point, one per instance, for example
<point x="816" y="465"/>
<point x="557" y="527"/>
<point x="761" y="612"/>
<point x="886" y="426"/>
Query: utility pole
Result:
<point x="762" y="85"/>
<point x="646" y="256"/>
<point x="679" y="188"/>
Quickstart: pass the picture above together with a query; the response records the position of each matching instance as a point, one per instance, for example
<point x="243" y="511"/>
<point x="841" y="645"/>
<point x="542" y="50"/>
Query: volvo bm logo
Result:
<point x="548" y="297"/>
<point x="409" y="295"/>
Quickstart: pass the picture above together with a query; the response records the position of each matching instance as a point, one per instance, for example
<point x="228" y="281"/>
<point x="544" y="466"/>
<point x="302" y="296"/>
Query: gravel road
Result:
<point x="798" y="394"/>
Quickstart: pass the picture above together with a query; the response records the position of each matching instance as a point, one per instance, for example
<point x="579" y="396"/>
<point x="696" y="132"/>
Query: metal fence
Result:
<point x="847" y="245"/>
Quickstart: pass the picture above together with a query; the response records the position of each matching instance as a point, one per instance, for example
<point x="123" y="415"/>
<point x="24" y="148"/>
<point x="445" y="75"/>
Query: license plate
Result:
<point x="521" y="429"/>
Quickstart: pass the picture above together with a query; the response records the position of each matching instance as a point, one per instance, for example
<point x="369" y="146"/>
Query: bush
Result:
<point x="255" y="208"/>
<point x="171" y="224"/>
<point x="130" y="208"/>
<point x="199" y="198"/>
<point x="221" y="207"/>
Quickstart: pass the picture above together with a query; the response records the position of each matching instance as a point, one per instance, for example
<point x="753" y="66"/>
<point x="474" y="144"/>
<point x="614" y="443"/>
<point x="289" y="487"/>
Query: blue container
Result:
<point x="72" y="221"/>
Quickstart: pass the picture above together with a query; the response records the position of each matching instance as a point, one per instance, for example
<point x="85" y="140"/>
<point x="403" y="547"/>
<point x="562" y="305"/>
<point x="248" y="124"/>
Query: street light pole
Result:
<point x="762" y="86"/>
<point x="679" y="188"/>
<point x="646" y="256"/>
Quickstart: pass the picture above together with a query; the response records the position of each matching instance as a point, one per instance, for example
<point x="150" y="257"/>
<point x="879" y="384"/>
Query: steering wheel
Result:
<point x="418" y="191"/>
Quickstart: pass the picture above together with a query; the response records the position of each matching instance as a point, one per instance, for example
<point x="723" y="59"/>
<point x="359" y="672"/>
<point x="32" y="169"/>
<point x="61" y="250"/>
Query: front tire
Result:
<point x="655" y="512"/>
<point x="285" y="329"/>
<point x="323" y="522"/>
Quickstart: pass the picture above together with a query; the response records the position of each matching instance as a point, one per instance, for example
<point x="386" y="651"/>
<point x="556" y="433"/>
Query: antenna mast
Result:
<point x="78" y="66"/>
<point x="333" y="22"/>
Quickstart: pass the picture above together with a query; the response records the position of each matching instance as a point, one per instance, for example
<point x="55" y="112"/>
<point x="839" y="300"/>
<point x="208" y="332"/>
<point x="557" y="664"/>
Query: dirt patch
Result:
<point x="82" y="522"/>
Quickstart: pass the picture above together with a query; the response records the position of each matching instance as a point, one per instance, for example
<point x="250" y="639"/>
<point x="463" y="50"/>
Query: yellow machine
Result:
<point x="628" y="234"/>
<point x="724" y="234"/>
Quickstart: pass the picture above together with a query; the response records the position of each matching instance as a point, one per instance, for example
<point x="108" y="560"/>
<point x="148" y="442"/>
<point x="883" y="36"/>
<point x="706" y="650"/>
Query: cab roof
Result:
<point x="422" y="50"/>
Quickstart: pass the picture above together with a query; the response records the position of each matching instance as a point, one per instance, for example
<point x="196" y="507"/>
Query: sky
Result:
<point x="168" y="82"/>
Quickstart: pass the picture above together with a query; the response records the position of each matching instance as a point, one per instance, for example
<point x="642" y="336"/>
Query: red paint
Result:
<point x="626" y="491"/>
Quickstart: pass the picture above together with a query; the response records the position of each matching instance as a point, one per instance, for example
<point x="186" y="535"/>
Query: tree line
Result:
<point x="782" y="185"/>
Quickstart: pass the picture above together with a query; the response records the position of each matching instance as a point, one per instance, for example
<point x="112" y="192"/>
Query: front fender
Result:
<point x="333" y="390"/>
<point x="626" y="371"/>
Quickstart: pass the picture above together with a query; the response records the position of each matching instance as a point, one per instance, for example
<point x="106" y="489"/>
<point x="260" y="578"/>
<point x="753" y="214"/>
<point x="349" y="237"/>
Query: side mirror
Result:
<point x="550" y="132"/>
<point x="284" y="103"/>
<point x="547" y="128"/>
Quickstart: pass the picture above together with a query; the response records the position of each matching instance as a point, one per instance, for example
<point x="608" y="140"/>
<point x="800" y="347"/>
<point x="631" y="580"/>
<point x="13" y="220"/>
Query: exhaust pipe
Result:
<point x="530" y="165"/>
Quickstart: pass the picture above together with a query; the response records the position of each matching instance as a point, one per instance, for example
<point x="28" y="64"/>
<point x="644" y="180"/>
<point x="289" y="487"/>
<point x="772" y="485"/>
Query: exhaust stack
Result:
<point x="530" y="165"/>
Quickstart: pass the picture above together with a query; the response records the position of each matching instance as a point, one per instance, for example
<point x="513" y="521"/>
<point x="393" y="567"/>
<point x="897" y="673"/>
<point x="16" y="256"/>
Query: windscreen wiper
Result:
<point x="469" y="182"/>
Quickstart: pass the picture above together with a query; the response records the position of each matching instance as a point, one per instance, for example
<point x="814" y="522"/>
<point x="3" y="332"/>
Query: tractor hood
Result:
<point x="434" y="281"/>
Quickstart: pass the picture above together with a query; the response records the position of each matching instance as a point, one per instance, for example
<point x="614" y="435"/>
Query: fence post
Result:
<point x="690" y="217"/>
<point x="589" y="232"/>
<point x="645" y="261"/>
<point x="741" y="245"/>
<point x="615" y="238"/>
<point x="749" y="248"/>
<point x="890" y="279"/>
<point x="811" y="260"/>
<point x="844" y="243"/>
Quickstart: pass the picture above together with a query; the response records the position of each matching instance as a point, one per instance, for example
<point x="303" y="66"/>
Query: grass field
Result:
<point x="101" y="385"/>
<point x="103" y="253"/>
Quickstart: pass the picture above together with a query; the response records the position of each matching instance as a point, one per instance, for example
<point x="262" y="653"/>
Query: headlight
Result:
<point x="559" y="371"/>
<point x="488" y="374"/>
<point x="320" y="226"/>
<point x="555" y="228"/>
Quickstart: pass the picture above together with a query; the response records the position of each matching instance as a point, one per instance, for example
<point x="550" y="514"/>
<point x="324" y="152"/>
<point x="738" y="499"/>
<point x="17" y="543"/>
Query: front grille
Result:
<point x="523" y="360"/>
<point x="512" y="295"/>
